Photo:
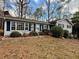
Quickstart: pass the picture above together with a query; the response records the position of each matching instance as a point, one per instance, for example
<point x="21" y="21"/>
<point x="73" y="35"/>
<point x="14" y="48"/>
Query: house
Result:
<point x="66" y="24"/>
<point x="23" y="25"/>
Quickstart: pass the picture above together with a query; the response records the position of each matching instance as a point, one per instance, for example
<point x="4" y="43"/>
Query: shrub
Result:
<point x="41" y="33"/>
<point x="57" y="31"/>
<point x="45" y="32"/>
<point x="66" y="34"/>
<point x="78" y="35"/>
<point x="15" y="34"/>
<point x="70" y="36"/>
<point x="33" y="33"/>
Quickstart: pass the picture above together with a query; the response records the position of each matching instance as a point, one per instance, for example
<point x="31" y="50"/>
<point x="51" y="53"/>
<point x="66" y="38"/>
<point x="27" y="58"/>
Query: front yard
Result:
<point x="44" y="47"/>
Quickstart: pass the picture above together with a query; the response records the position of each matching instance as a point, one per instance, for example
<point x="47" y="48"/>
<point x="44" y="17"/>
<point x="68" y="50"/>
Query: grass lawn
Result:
<point x="44" y="47"/>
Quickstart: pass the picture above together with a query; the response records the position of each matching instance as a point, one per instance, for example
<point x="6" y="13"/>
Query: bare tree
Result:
<point x="39" y="13"/>
<point x="21" y="7"/>
<point x="2" y="3"/>
<point x="2" y="7"/>
<point x="48" y="8"/>
<point x="50" y="11"/>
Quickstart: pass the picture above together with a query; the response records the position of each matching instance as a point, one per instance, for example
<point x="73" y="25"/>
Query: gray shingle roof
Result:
<point x="23" y="20"/>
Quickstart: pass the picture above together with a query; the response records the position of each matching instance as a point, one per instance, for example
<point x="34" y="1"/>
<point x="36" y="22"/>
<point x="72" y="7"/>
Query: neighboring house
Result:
<point x="23" y="25"/>
<point x="65" y="24"/>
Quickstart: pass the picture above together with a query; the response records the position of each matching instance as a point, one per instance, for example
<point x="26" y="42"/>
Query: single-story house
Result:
<point x="23" y="25"/>
<point x="66" y="24"/>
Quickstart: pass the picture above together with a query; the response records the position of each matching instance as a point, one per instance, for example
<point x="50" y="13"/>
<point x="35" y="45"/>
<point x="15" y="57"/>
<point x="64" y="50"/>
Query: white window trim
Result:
<point x="25" y="25"/>
<point x="20" y="23"/>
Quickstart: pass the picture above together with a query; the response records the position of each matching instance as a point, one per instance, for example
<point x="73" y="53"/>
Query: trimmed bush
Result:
<point x="66" y="34"/>
<point x="33" y="33"/>
<point x="57" y="31"/>
<point x="15" y="34"/>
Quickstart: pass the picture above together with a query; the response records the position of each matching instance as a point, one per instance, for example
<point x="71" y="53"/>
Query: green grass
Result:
<point x="39" y="48"/>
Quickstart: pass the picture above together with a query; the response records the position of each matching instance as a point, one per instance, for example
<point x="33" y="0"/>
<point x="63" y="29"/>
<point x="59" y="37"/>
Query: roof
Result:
<point x="70" y="22"/>
<point x="23" y="20"/>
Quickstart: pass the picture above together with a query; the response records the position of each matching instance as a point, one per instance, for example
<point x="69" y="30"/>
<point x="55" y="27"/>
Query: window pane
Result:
<point x="37" y="27"/>
<point x="13" y="26"/>
<point x="26" y="26"/>
<point x="45" y="26"/>
<point x="20" y="26"/>
<point x="32" y="27"/>
<point x="68" y="26"/>
<point x="61" y="25"/>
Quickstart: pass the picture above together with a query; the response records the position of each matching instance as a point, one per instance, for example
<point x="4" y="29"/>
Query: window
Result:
<point x="68" y="26"/>
<point x="32" y="27"/>
<point x="20" y="26"/>
<point x="13" y="26"/>
<point x="26" y="26"/>
<point x="45" y="26"/>
<point x="37" y="27"/>
<point x="61" y="25"/>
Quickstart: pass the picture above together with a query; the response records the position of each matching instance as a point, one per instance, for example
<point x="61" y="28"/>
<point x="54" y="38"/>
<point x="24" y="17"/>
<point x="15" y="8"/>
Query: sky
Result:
<point x="72" y="7"/>
<point x="33" y="3"/>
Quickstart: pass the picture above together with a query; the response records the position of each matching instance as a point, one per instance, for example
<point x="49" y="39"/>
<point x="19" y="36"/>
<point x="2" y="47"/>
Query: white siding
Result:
<point x="7" y="33"/>
<point x="65" y="23"/>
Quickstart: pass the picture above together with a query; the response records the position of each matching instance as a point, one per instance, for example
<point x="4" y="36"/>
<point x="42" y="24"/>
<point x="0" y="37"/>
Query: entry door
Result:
<point x="8" y="25"/>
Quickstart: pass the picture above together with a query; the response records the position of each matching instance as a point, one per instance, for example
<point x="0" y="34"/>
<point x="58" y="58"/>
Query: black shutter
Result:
<point x="47" y="27"/>
<point x="34" y="27"/>
<point x="40" y="27"/>
<point x="29" y="26"/>
<point x="8" y="25"/>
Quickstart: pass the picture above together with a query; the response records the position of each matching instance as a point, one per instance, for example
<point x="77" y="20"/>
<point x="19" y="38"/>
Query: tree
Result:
<point x="57" y="31"/>
<point x="2" y="3"/>
<point x="22" y="7"/>
<point x="58" y="9"/>
<point x="75" y="31"/>
<point x="75" y="18"/>
<point x="38" y="13"/>
<point x="29" y="11"/>
<point x="48" y="8"/>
